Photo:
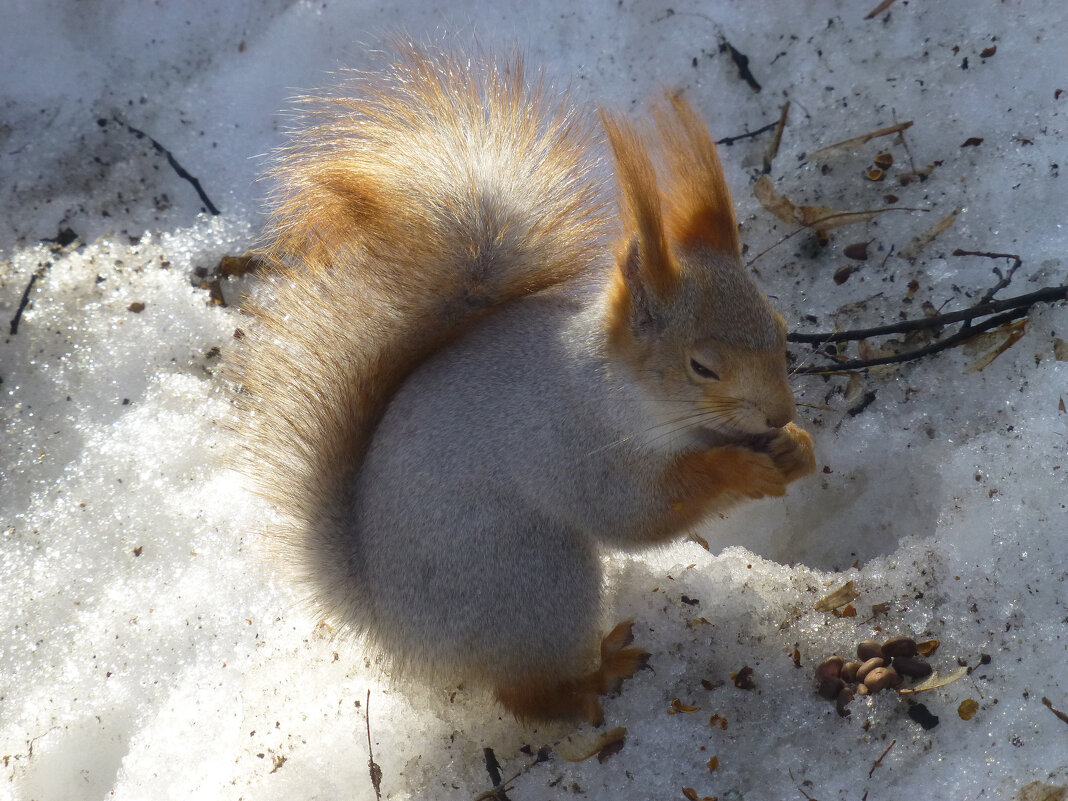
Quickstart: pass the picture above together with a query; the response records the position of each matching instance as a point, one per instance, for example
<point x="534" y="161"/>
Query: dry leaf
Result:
<point x="855" y="387"/>
<point x="1060" y="349"/>
<point x="690" y="793"/>
<point x="934" y="681"/>
<point x="713" y="764"/>
<point x="1040" y="791"/>
<point x="779" y="205"/>
<point x="843" y="595"/>
<point x="717" y="720"/>
<point x="852" y="144"/>
<point x="1009" y="334"/>
<point x="583" y="745"/>
<point x="824" y="219"/>
<point x="927" y="647"/>
<point x="913" y="248"/>
<point x="677" y="708"/>
<point x="967" y="709"/>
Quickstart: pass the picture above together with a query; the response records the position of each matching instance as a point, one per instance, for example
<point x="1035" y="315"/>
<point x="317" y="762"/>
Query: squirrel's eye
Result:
<point x="702" y="371"/>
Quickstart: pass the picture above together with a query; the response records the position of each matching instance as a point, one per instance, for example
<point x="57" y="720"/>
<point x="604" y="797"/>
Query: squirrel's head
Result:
<point x="684" y="314"/>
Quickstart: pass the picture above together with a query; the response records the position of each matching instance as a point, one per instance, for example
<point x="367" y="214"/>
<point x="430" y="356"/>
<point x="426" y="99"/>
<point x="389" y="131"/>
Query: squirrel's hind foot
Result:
<point x="547" y="698"/>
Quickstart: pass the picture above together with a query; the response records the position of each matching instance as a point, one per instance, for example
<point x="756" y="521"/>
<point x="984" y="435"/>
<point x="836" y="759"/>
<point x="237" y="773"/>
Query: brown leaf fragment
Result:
<point x="885" y="160"/>
<point x="841" y="275"/>
<point x="776" y="140"/>
<point x="854" y="387"/>
<point x="743" y="679"/>
<point x="927" y="647"/>
<point x="913" y="249"/>
<point x="1060" y="349"/>
<point x="610" y="750"/>
<point x="858" y="251"/>
<point x="1061" y="407"/>
<point x="1006" y="336"/>
<point x="1049" y="705"/>
<point x="967" y="709"/>
<point x="845" y="594"/>
<point x="779" y="205"/>
<point x="847" y="145"/>
<point x="874" y="174"/>
<point x="238" y="265"/>
<point x="797" y="658"/>
<point x="1040" y="791"/>
<point x="678" y="708"/>
<point x="713" y="764"/>
<point x="717" y="720"/>
<point x="849" y="611"/>
<point x="987" y="52"/>
<point x="879" y="9"/>
<point x="690" y="793"/>
<point x="935" y="681"/>
<point x="583" y="745"/>
<point x="880" y="609"/>
<point x="136" y="307"/>
<point x="972" y="141"/>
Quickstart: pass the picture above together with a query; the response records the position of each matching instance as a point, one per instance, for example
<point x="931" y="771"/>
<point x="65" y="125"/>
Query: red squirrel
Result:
<point x="458" y="393"/>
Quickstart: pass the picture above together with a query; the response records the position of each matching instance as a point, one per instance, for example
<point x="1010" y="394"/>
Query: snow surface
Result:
<point x="147" y="649"/>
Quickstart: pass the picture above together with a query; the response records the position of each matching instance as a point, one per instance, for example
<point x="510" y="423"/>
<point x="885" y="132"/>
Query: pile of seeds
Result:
<point x="881" y="666"/>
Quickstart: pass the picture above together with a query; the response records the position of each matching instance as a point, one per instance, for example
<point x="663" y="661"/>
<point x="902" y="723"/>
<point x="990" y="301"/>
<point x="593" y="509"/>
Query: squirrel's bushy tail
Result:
<point x="408" y="203"/>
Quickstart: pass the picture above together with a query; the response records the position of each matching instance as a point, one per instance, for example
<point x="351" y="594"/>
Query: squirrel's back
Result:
<point x="408" y="204"/>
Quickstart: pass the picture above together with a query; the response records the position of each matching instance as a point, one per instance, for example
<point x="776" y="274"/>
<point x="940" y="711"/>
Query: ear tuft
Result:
<point x="639" y="202"/>
<point x="700" y="210"/>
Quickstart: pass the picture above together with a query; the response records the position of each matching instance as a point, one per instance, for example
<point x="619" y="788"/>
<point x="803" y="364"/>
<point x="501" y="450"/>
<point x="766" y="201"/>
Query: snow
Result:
<point x="149" y="650"/>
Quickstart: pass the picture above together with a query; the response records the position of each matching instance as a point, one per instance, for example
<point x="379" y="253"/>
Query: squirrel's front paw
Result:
<point x="752" y="473"/>
<point x="791" y="450"/>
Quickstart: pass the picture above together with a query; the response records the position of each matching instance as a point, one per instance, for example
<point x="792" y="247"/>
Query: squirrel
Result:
<point x="457" y="392"/>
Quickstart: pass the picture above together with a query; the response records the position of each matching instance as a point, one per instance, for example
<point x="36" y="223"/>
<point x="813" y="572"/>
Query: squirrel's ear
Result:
<point x="700" y="210"/>
<point x="644" y="317"/>
<point x="646" y="250"/>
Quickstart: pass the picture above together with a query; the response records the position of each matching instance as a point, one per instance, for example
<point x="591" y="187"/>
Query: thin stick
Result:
<point x="1046" y="295"/>
<point x="937" y="347"/>
<point x="879" y="761"/>
<point x="374" y="767"/>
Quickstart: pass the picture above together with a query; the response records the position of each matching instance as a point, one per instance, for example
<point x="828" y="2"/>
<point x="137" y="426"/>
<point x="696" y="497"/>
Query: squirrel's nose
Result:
<point x="781" y="415"/>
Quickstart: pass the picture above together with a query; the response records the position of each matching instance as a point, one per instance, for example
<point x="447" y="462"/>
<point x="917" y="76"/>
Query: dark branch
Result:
<point x="935" y="347"/>
<point x="178" y="168"/>
<point x="1020" y="302"/>
<point x="730" y="140"/>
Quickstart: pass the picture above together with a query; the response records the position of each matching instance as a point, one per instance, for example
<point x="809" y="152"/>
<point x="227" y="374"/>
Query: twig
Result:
<point x="1003" y="280"/>
<point x="178" y="168"/>
<point x="374" y="767"/>
<point x="879" y="761"/>
<point x="929" y="350"/>
<point x="40" y="271"/>
<point x="730" y="140"/>
<point x="1049" y="705"/>
<point x="879" y="9"/>
<point x="773" y="148"/>
<point x="498" y="792"/>
<point x="1022" y="302"/>
<point x="820" y="221"/>
<point x="857" y="141"/>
